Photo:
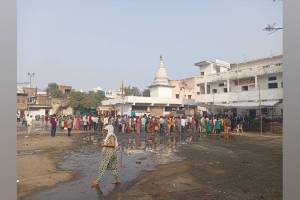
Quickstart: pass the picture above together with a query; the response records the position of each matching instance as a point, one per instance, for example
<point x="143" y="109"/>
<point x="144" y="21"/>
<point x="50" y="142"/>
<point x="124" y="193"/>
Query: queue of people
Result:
<point x="155" y="128"/>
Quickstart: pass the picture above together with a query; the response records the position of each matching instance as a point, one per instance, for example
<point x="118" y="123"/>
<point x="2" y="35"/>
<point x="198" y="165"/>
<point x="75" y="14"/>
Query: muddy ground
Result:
<point x="37" y="158"/>
<point x="248" y="167"/>
<point x="244" y="168"/>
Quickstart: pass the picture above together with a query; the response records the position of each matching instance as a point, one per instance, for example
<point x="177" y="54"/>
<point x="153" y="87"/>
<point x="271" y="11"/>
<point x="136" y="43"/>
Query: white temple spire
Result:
<point x="161" y="77"/>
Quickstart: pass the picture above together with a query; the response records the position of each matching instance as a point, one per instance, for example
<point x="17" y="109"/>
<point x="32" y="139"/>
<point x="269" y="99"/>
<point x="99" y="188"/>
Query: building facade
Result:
<point x="161" y="101"/>
<point x="32" y="101"/>
<point x="184" y="88"/>
<point x="65" y="89"/>
<point x="245" y="86"/>
<point x="111" y="94"/>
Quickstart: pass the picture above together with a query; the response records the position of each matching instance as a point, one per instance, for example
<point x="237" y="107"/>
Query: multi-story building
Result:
<point x="65" y="89"/>
<point x="245" y="86"/>
<point x="32" y="101"/>
<point x="184" y="88"/>
<point x="22" y="100"/>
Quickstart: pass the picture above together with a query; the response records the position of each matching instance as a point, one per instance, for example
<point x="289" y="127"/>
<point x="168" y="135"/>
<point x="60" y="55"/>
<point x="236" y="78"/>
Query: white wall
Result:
<point x="126" y="109"/>
<point x="264" y="80"/>
<point x="162" y="92"/>
<point x="154" y="92"/>
<point x="207" y="69"/>
<point x="215" y="85"/>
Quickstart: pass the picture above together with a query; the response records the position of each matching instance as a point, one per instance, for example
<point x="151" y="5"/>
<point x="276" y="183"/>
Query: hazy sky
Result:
<point x="89" y="43"/>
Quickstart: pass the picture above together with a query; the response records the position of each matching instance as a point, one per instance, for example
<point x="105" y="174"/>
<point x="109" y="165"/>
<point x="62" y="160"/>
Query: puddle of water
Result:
<point x="85" y="158"/>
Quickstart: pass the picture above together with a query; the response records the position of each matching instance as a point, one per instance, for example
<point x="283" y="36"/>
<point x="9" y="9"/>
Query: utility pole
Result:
<point x="31" y="75"/>
<point x="260" y="109"/>
<point x="122" y="96"/>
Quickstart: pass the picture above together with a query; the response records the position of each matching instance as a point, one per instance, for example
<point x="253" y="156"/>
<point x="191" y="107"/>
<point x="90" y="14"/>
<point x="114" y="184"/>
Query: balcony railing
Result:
<point x="241" y="73"/>
<point x="269" y="94"/>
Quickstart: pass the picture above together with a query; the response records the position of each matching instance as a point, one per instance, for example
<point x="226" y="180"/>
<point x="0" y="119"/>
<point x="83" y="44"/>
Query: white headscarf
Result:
<point x="110" y="130"/>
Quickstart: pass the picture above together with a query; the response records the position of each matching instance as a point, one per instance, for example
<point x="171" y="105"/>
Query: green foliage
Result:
<point x="53" y="91"/>
<point x="132" y="91"/>
<point x="146" y="93"/>
<point x="80" y="100"/>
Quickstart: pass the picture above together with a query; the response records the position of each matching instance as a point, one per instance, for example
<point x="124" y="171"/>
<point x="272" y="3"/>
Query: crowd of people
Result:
<point x="156" y="127"/>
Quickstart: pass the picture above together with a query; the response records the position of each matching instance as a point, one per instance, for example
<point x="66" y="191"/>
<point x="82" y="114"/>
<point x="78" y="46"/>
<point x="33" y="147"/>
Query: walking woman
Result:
<point x="109" y="160"/>
<point x="138" y="131"/>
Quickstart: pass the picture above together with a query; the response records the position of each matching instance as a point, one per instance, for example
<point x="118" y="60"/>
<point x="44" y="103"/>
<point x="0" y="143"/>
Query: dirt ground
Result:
<point x="248" y="167"/>
<point x="36" y="162"/>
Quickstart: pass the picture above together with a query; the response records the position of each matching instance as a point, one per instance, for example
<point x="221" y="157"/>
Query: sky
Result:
<point x="89" y="43"/>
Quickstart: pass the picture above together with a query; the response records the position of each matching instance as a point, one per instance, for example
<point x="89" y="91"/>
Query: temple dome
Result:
<point x="161" y="77"/>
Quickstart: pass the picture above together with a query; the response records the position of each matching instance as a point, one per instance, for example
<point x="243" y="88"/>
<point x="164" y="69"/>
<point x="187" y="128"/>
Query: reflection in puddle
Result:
<point x="85" y="158"/>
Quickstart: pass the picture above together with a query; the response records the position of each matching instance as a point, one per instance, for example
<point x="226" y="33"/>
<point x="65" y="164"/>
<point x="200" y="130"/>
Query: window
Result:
<point x="273" y="85"/>
<point x="272" y="78"/>
<point x="245" y="88"/>
<point x="225" y="90"/>
<point x="202" y="73"/>
<point x="214" y="91"/>
<point x="189" y="96"/>
<point x="208" y="89"/>
<point x="264" y="111"/>
<point x="278" y="64"/>
<point x="177" y="96"/>
<point x="221" y="84"/>
<point x="198" y="93"/>
<point x="198" y="84"/>
<point x="282" y="84"/>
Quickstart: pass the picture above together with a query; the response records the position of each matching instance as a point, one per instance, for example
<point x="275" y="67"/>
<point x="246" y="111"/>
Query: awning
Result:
<point x="246" y="105"/>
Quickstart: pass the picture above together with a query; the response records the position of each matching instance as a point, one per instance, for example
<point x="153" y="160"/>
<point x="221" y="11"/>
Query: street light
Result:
<point x="260" y="108"/>
<point x="31" y="75"/>
<point x="122" y="97"/>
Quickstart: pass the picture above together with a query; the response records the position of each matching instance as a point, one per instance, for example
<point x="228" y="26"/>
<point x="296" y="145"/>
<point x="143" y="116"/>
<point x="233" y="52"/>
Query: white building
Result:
<point x="184" y="88"/>
<point x="111" y="94"/>
<point x="245" y="86"/>
<point x="160" y="102"/>
<point x="97" y="89"/>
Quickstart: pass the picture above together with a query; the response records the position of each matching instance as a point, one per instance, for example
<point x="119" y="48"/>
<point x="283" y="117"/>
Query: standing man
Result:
<point x="85" y="123"/>
<point x="183" y="124"/>
<point x="70" y="125"/>
<point x="46" y="121"/>
<point x="95" y="122"/>
<point x="53" y="122"/>
<point x="29" y="124"/>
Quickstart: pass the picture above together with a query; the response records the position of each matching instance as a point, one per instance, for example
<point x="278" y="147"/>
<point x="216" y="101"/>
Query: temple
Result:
<point x="160" y="103"/>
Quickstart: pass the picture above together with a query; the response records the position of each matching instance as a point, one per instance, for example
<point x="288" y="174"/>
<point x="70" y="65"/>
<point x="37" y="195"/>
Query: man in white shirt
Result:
<point x="105" y="121"/>
<point x="96" y="121"/>
<point x="183" y="124"/>
<point x="85" y="123"/>
<point x="29" y="124"/>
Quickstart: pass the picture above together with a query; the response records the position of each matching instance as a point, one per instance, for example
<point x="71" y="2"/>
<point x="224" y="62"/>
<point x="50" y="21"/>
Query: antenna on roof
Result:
<point x="272" y="29"/>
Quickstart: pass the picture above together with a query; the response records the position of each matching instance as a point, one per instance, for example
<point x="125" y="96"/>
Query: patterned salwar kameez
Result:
<point x="109" y="158"/>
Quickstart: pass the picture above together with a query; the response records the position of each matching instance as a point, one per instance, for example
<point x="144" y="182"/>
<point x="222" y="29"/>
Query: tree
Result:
<point x="146" y="93"/>
<point x="53" y="91"/>
<point x="76" y="99"/>
<point x="82" y="100"/>
<point x="132" y="91"/>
